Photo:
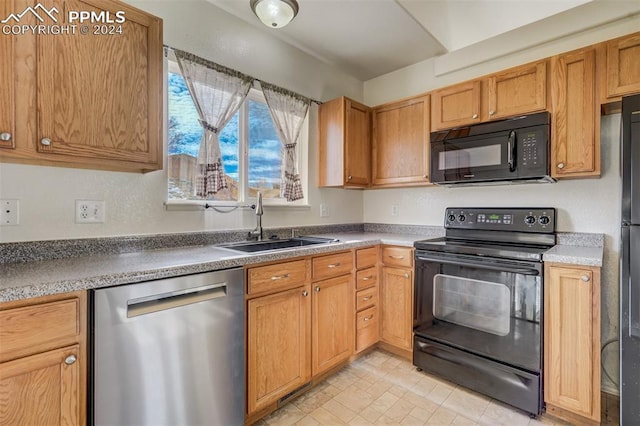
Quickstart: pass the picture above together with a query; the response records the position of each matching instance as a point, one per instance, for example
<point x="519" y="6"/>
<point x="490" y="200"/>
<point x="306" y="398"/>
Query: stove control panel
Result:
<point x="502" y="219"/>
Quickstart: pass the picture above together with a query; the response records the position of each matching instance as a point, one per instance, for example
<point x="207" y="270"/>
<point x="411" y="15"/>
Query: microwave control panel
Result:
<point x="530" y="149"/>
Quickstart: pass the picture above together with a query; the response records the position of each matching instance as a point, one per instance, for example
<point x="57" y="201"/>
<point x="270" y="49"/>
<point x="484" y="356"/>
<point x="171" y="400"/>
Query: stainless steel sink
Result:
<point x="268" y="245"/>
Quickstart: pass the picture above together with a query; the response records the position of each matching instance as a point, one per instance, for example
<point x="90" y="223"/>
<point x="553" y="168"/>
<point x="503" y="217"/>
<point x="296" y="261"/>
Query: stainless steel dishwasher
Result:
<point x="169" y="352"/>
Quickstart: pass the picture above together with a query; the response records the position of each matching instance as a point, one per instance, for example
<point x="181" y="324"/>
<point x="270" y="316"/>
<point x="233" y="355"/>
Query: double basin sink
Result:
<point x="272" y="245"/>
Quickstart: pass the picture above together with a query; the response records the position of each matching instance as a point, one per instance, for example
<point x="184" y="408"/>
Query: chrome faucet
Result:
<point x="257" y="233"/>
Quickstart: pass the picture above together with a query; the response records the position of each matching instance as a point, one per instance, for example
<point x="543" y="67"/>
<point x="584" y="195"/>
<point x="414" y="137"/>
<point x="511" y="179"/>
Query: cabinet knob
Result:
<point x="317" y="289"/>
<point x="5" y="136"/>
<point x="406" y="275"/>
<point x="425" y="176"/>
<point x="334" y="265"/>
<point x="474" y="116"/>
<point x="305" y="293"/>
<point x="45" y="141"/>
<point x="492" y="112"/>
<point x="561" y="165"/>
<point x="71" y="359"/>
<point x="366" y="299"/>
<point x="279" y="277"/>
<point x="349" y="177"/>
<point x="585" y="278"/>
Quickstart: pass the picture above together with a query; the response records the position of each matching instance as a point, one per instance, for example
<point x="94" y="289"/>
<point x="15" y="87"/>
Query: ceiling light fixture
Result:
<point x="275" y="13"/>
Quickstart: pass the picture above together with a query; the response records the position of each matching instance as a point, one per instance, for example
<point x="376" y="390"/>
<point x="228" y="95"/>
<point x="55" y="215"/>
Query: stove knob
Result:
<point x="462" y="218"/>
<point x="530" y="220"/>
<point x="544" y="220"/>
<point x="451" y="218"/>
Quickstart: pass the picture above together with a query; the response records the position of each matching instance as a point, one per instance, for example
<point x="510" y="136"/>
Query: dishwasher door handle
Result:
<point x="164" y="301"/>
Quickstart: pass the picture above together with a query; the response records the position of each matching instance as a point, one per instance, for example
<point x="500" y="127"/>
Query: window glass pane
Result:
<point x="184" y="135"/>
<point x="265" y="152"/>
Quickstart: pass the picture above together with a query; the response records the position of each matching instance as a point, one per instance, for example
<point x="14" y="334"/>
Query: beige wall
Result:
<point x="134" y="202"/>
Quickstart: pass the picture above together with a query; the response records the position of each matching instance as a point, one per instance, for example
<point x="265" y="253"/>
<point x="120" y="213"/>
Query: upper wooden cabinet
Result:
<point x="7" y="77"/>
<point x="344" y="144"/>
<point x="623" y="66"/>
<point x="572" y="342"/>
<point x="576" y="118"/>
<point x="511" y="92"/>
<point x="401" y="143"/>
<point x="94" y="100"/>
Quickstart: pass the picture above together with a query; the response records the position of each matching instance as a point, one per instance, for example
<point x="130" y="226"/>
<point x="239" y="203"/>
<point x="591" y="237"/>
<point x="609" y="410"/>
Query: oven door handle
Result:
<point x="481" y="265"/>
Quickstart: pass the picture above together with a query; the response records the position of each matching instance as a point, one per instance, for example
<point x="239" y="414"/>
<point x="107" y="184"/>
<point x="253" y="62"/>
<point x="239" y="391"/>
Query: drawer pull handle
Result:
<point x="369" y="318"/>
<point x="367" y="278"/>
<point x="396" y="256"/>
<point x="585" y="278"/>
<point x="279" y="277"/>
<point x="365" y="299"/>
<point x="70" y="360"/>
<point x="334" y="265"/>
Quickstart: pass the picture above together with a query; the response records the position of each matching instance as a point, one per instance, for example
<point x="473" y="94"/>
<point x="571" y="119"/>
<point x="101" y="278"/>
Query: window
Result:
<point x="251" y="148"/>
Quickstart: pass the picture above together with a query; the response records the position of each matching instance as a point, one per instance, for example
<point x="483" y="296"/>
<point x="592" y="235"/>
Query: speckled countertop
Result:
<point x="39" y="278"/>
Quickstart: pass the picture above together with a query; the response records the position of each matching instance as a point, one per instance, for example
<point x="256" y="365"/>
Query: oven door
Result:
<point x="485" y="157"/>
<point x="486" y="306"/>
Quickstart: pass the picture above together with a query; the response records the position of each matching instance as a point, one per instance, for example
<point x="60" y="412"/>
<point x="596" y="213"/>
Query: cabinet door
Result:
<point x="357" y="150"/>
<point x="278" y="346"/>
<point x="7" y="82"/>
<point x="457" y="105"/>
<point x="396" y="296"/>
<point x="42" y="389"/>
<point x="99" y="96"/>
<point x="623" y="66"/>
<point x="575" y="149"/>
<point x="517" y="91"/>
<point x="332" y="323"/>
<point x="401" y="143"/>
<point x="572" y="339"/>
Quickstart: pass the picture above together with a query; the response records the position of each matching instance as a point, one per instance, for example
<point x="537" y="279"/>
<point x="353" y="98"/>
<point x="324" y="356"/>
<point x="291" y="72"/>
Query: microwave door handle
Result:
<point x="511" y="148"/>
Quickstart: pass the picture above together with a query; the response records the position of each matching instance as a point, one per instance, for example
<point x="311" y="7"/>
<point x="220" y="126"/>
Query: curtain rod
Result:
<point x="167" y="47"/>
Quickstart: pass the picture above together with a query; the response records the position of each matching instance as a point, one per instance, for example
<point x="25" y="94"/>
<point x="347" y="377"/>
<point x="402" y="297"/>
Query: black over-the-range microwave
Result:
<point x="513" y="150"/>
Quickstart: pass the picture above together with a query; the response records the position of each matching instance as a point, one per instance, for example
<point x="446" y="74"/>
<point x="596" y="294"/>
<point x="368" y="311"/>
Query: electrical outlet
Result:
<point x="395" y="209"/>
<point x="324" y="210"/>
<point x="90" y="211"/>
<point x="9" y="215"/>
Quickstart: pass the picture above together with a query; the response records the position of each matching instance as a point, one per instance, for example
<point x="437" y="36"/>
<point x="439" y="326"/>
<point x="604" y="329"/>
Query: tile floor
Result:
<point x="381" y="388"/>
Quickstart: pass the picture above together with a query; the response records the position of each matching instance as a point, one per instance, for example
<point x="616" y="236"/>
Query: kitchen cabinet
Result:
<point x="90" y="101"/>
<point x="43" y="360"/>
<point x="7" y="79"/>
<point x="396" y="298"/>
<point x="332" y="313"/>
<point x="367" y="295"/>
<point x="344" y="128"/>
<point x="572" y="342"/>
<point x="518" y="90"/>
<point x="622" y="67"/>
<point x="401" y="143"/>
<point x="575" y="141"/>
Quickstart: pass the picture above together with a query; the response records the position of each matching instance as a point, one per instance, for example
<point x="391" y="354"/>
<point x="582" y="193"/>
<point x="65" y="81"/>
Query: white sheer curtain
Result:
<point x="288" y="110"/>
<point x="217" y="93"/>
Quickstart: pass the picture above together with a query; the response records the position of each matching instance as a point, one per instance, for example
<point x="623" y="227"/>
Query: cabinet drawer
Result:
<point x="366" y="257"/>
<point x="366" y="278"/>
<point x="366" y="298"/>
<point x="366" y="328"/>
<point x="397" y="256"/>
<point x="27" y="330"/>
<point x="280" y="276"/>
<point x="331" y="265"/>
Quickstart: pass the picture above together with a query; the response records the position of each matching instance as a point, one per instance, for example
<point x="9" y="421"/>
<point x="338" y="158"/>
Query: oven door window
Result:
<point x="477" y="304"/>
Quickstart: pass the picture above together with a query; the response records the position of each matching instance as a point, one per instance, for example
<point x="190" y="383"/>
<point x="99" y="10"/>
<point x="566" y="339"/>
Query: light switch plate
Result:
<point x="9" y="214"/>
<point x="324" y="210"/>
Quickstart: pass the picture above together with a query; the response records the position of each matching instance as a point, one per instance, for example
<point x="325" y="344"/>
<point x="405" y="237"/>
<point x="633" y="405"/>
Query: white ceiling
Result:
<point x="368" y="38"/>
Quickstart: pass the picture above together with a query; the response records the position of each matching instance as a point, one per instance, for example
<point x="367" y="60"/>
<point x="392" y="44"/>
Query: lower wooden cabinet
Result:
<point x="396" y="299"/>
<point x="43" y="361"/>
<point x="278" y="345"/>
<point x="572" y="342"/>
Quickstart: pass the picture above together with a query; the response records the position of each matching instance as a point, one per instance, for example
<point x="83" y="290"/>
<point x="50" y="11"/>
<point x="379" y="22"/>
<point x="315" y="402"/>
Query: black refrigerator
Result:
<point x="630" y="264"/>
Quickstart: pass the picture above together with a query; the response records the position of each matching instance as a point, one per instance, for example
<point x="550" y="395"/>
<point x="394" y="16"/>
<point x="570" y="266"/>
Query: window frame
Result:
<point x="302" y="151"/>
